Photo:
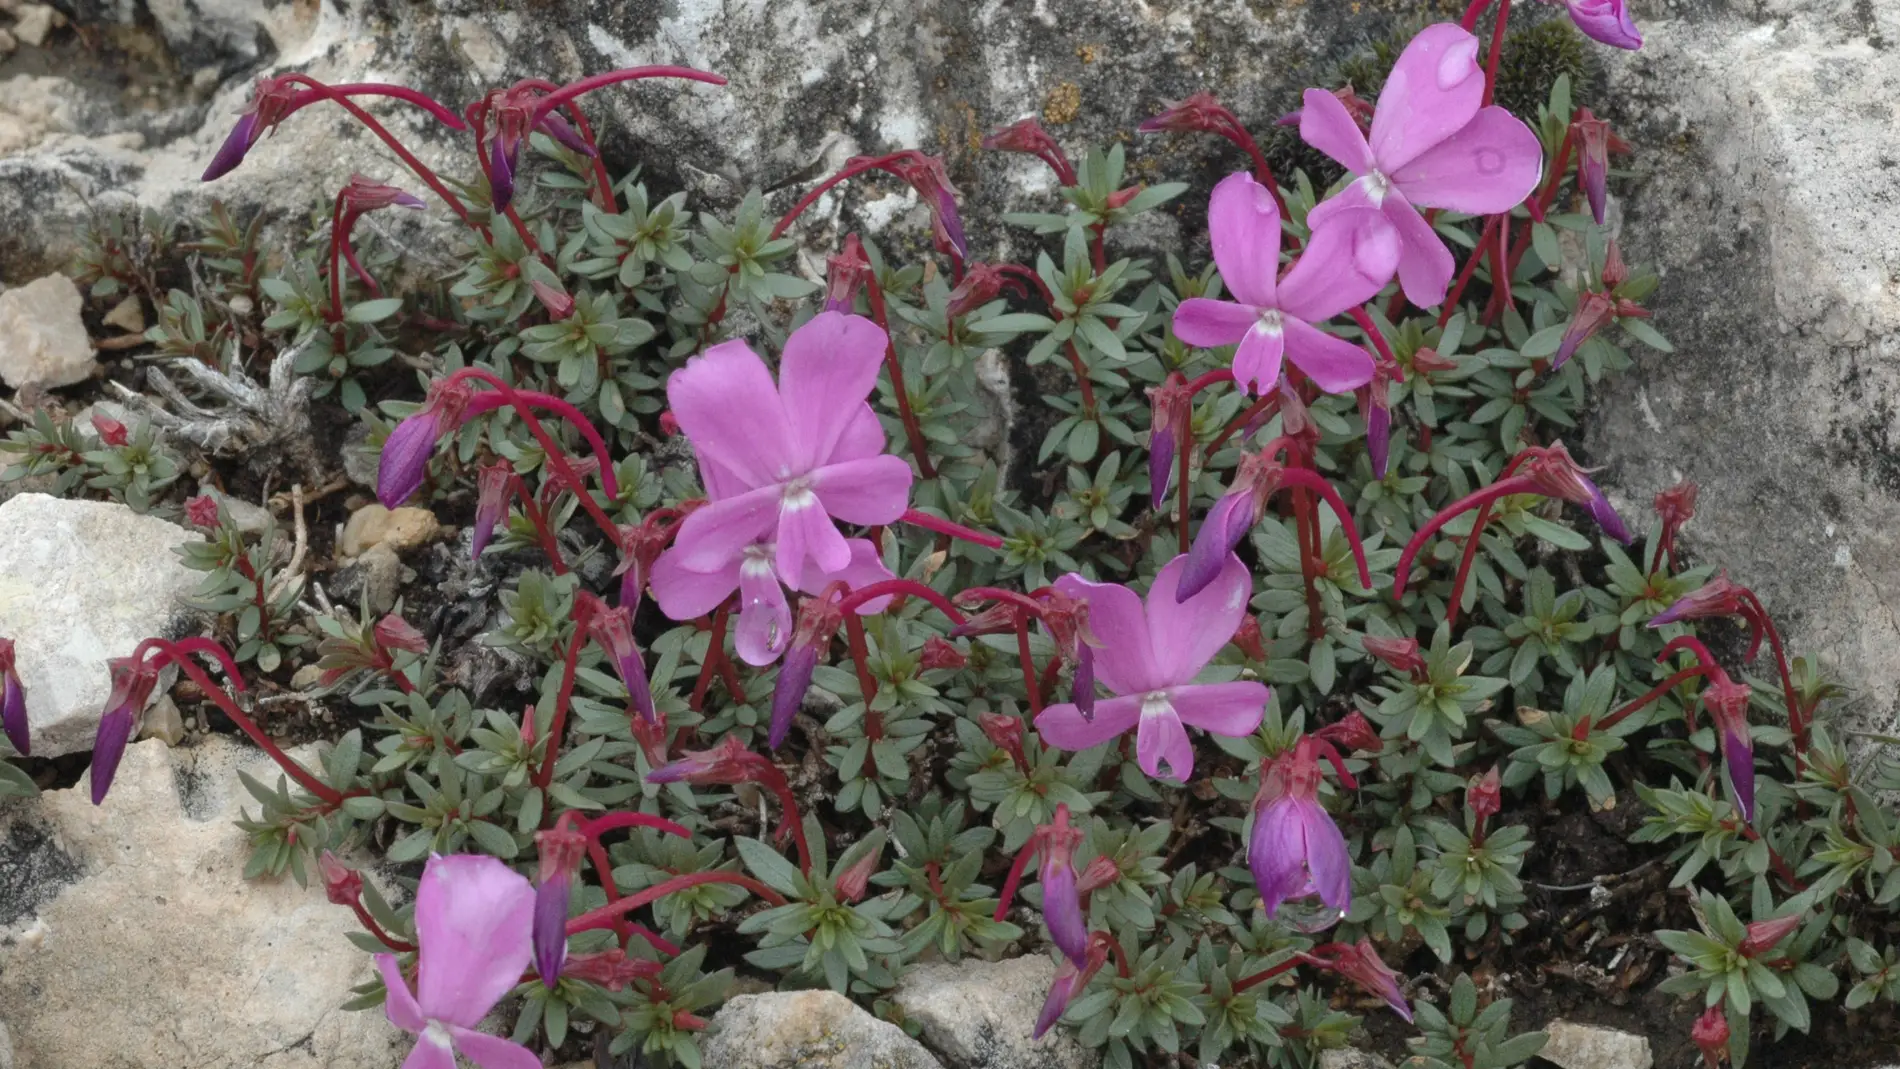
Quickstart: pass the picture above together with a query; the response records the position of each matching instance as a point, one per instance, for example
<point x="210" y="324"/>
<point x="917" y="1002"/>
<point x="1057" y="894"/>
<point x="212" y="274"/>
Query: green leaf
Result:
<point x="373" y="311"/>
<point x="769" y="866"/>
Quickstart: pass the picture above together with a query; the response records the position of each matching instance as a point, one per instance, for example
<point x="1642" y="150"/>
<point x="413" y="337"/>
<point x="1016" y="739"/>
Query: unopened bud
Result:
<point x="342" y="884"/>
<point x="111" y="431"/>
<point x="939" y="654"/>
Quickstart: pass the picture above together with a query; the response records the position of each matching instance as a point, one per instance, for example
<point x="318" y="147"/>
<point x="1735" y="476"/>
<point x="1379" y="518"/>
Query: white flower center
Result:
<point x="1377" y="185"/>
<point x="798" y="494"/>
<point x="437" y="1033"/>
<point x="1156" y="703"/>
<point x="756" y="561"/>
<point x="1271" y="321"/>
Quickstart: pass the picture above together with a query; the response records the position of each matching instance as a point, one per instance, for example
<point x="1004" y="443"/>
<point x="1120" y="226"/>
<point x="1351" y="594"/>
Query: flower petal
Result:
<point x="871" y="491"/>
<point x="236" y="144"/>
<point x="1160" y="741"/>
<point x="1347" y="262"/>
<point x="1326" y="125"/>
<point x="1257" y="361"/>
<point x="684" y="594"/>
<point x="828" y="368"/>
<point x="1186" y="635"/>
<point x="1062" y="726"/>
<point x="1231" y="709"/>
<point x="1326" y="856"/>
<point x="1607" y="21"/>
<point x="1425" y="265"/>
<point x="805" y="532"/>
<point x="1221" y="531"/>
<point x="1062" y="911"/>
<point x="1490" y="165"/>
<point x="493" y="1052"/>
<point x="765" y="618"/>
<point x="1243" y="224"/>
<point x="714" y="534"/>
<point x="1276" y="854"/>
<point x="474" y="916"/>
<point x="405" y="457"/>
<point x="866" y="567"/>
<point x="727" y="404"/>
<point x="1207" y="323"/>
<point x="1334" y="364"/>
<point x="1738" y="759"/>
<point x="863" y="437"/>
<point x="1125" y="661"/>
<point x="429" y="1054"/>
<point x="1434" y="89"/>
<point x="400" y="1006"/>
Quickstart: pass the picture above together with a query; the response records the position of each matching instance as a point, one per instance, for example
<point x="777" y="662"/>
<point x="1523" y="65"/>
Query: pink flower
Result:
<point x="780" y="463"/>
<point x="1270" y="317"/>
<point x="132" y="683"/>
<point x="1061" y="899"/>
<point x="1607" y="21"/>
<point x="473" y="919"/>
<point x="1296" y="849"/>
<point x="1362" y="965"/>
<point x="1727" y="703"/>
<point x="13" y="703"/>
<point x="1149" y="655"/>
<point x="1433" y="145"/>
<point x="1071" y="978"/>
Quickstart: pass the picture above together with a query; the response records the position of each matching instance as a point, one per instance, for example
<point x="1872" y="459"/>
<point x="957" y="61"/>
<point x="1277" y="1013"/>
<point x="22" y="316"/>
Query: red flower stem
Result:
<point x="175" y="653"/>
<point x="607" y="822"/>
<point x="1775" y="859"/>
<point x="1029" y="665"/>
<point x="369" y="281"/>
<point x="204" y="647"/>
<point x="1264" y="975"/>
<point x="1270" y="400"/>
<point x="1082" y="380"/>
<point x="604" y="916"/>
<point x="1209" y="378"/>
<point x="335" y="94"/>
<point x="1014" y="879"/>
<point x="955" y="530"/>
<point x="1306" y="477"/>
<point x="1797" y="718"/>
<point x="369" y="923"/>
<point x="1516" y="484"/>
<point x="913" y="431"/>
<point x="781" y="788"/>
<point x="520" y="401"/>
<point x="1693" y="645"/>
<point x="850" y="170"/>
<point x="900" y="588"/>
<point x="1361" y="317"/>
<point x="867" y="686"/>
<point x="562" y="699"/>
<point x="1692" y="672"/>
<point x="715" y="652"/>
<point x="604" y="869"/>
<point x="626" y="74"/>
<point x="1121" y="956"/>
<point x="1471" y="266"/>
<point x="1497" y="50"/>
<point x="1465" y="562"/>
<point x="1473" y="14"/>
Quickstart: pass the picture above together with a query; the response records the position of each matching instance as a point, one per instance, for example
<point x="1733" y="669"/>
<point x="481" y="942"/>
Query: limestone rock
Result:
<point x="400" y="530"/>
<point x="980" y="1015"/>
<point x="42" y="341"/>
<point x="32" y="22"/>
<point x="154" y="952"/>
<point x="807" y="1030"/>
<point x="1583" y="1046"/>
<point x="1351" y="1058"/>
<point x="128" y="315"/>
<point x="376" y="576"/>
<point x="81" y="581"/>
<point x="1781" y="293"/>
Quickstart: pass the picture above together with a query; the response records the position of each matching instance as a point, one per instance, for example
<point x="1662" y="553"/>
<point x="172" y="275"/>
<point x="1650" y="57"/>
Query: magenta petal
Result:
<point x="1326" y="856"/>
<point x="1185" y="635"/>
<point x="13" y="719"/>
<point x="1126" y="664"/>
<point x="1257" y="361"/>
<point x="1606" y="21"/>
<point x="1061" y="993"/>
<point x="1326" y="125"/>
<point x="684" y="594"/>
<point x="493" y="1052"/>
<point x="863" y="437"/>
<point x="1738" y="758"/>
<point x="1379" y="439"/>
<point x="399" y="1006"/>
<point x="765" y="619"/>
<point x="1334" y="364"/>
<point x="1276" y="854"/>
<point x="474" y="919"/>
<point x="866" y="567"/>
<point x="1347" y="262"/>
<point x="562" y="131"/>
<point x="1207" y="323"/>
<point x="1243" y="224"/>
<point x="1230" y="709"/>
<point x="1062" y="910"/>
<point x="405" y="457"/>
<point x="1425" y="265"/>
<point x="829" y="366"/>
<point x="429" y="1054"/>
<point x="550" y="929"/>
<point x="1433" y="91"/>
<point x="1221" y="531"/>
<point x="1161" y="742"/>
<point x="788" y="692"/>
<point x="231" y="152"/>
<point x="806" y="531"/>
<point x="1161" y="453"/>
<point x="1063" y="726"/>
<point x="1488" y="166"/>
<point x="951" y="222"/>
<point x="872" y="491"/>
<point x="714" y="534"/>
<point x="501" y="175"/>
<point x="729" y="407"/>
<point x="108" y="747"/>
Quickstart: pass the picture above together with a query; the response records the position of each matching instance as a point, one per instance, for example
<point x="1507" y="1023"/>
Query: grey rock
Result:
<point x="82" y="581"/>
<point x="375" y="577"/>
<point x="1781" y="293"/>
<point x="807" y="1030"/>
<point x="163" y="722"/>
<point x="32" y="22"/>
<point x="1351" y="1058"/>
<point x="1583" y="1046"/>
<point x="153" y="890"/>
<point x="980" y="1015"/>
<point x="248" y="518"/>
<point x="42" y="341"/>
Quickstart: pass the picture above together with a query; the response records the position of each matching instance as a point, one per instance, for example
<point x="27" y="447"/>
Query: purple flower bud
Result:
<point x="132" y="684"/>
<point x="1061" y="902"/>
<point x="236" y="144"/>
<point x="1082" y="693"/>
<point x="613" y="629"/>
<point x="561" y="851"/>
<point x="1221" y="530"/>
<point x="493" y="484"/>
<point x="788" y="694"/>
<point x="1593" y="161"/>
<point x="1607" y="21"/>
<point x="1606" y="517"/>
<point x="1161" y="453"/>
<point x="405" y="459"/>
<point x="558" y="128"/>
<point x="1379" y="438"/>
<point x="501" y="175"/>
<point x="13" y="702"/>
<point x="1071" y="978"/>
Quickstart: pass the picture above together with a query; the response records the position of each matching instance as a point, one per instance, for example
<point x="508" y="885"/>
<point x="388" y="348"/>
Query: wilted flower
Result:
<point x="1710" y="1035"/>
<point x="1149" y="655"/>
<point x="561" y="850"/>
<point x="1353" y="733"/>
<point x="727" y="763"/>
<point x="1484" y="798"/>
<point x="1593" y="160"/>
<point x="1607" y="21"/>
<point x="1272" y="317"/>
<point x="818" y="619"/>
<point x="132" y="683"/>
<point x="1361" y="964"/>
<point x="1763" y="935"/>
<point x="1067" y="618"/>
<point x="940" y="654"/>
<point x="1719" y="596"/>
<point x="1398" y="654"/>
<point x="845" y="273"/>
<point x="1199" y="113"/>
<point x="1071" y="978"/>
<point x="111" y="432"/>
<point x="1433" y="145"/>
<point x="1005" y="732"/>
<point x="13" y="703"/>
<point x="1727" y="703"/>
<point x="927" y="176"/>
<point x="1028" y="137"/>
<point x="342" y="885"/>
<point x="474" y="916"/>
<point x="613" y="630"/>
<point x="395" y="633"/>
<point x="1296" y="849"/>
<point x="494" y="485"/>
<point x="980" y="285"/>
